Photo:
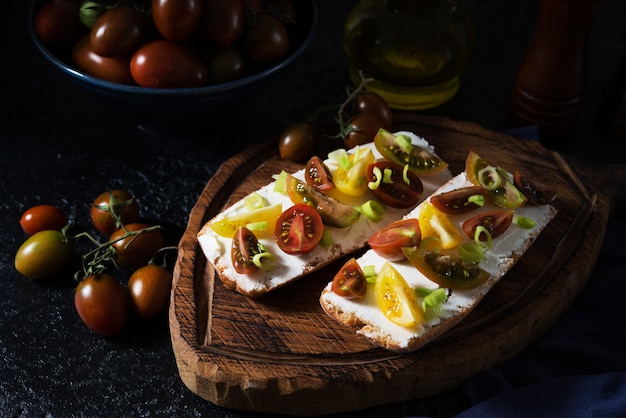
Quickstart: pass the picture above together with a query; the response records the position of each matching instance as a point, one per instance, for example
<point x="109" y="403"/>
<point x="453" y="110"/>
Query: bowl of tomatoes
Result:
<point x="173" y="66"/>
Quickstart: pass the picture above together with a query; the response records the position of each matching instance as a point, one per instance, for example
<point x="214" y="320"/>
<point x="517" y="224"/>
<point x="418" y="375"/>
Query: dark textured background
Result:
<point x="60" y="146"/>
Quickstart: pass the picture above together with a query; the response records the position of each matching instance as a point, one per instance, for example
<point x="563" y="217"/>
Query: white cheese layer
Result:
<point x="505" y="250"/>
<point x="289" y="267"/>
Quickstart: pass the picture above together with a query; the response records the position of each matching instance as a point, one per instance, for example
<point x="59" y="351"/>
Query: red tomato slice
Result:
<point x="298" y="229"/>
<point x="317" y="174"/>
<point x="350" y="281"/>
<point x="244" y="247"/>
<point x="389" y="241"/>
<point x="393" y="188"/>
<point x="495" y="222"/>
<point x="459" y="201"/>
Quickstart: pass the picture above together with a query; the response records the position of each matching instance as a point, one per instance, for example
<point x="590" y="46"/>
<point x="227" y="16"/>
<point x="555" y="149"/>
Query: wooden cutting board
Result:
<point x="282" y="354"/>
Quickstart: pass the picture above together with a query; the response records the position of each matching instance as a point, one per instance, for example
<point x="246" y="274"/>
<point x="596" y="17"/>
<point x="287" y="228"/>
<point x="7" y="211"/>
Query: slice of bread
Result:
<point x="369" y="320"/>
<point x="289" y="267"/>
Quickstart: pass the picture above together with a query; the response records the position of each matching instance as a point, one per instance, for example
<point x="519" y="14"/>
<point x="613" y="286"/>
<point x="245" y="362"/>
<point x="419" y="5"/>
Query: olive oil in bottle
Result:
<point x="414" y="50"/>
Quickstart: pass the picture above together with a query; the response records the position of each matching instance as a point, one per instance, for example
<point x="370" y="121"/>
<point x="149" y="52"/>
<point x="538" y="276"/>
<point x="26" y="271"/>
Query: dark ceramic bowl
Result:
<point x="183" y="111"/>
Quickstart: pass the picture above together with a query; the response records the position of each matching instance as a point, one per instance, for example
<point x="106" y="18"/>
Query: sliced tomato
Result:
<point x="446" y="269"/>
<point x="499" y="188"/>
<point x="351" y="176"/>
<point x="435" y="224"/>
<point x="401" y="151"/>
<point x="389" y="241"/>
<point x="473" y="164"/>
<point x="350" y="281"/>
<point x="227" y="227"/>
<point x="393" y="186"/>
<point x="244" y="247"/>
<point x="396" y="298"/>
<point x="333" y="212"/>
<point x="537" y="193"/>
<point x="298" y="229"/>
<point x="494" y="221"/>
<point x="318" y="175"/>
<point x="459" y="201"/>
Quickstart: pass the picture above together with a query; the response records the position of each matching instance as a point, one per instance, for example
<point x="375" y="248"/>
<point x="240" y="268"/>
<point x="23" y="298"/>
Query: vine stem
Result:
<point x="341" y="112"/>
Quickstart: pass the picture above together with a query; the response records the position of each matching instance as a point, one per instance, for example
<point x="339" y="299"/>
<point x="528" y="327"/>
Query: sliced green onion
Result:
<point x="404" y="142"/>
<point x="378" y="175"/>
<point x="472" y="252"/>
<point x="489" y="178"/>
<point x="436" y="297"/>
<point x="477" y="199"/>
<point x="255" y="201"/>
<point x="280" y="185"/>
<point x="423" y="291"/>
<point x="337" y="155"/>
<point x="369" y="272"/>
<point x="387" y="172"/>
<point x="327" y="239"/>
<point x="265" y="261"/>
<point x="257" y="226"/>
<point x="373" y="210"/>
<point x="524" y="222"/>
<point x="405" y="175"/>
<point x="482" y="230"/>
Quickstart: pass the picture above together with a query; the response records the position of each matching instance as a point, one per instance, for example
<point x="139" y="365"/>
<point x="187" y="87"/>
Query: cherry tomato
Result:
<point x="317" y="174"/>
<point x="149" y="288"/>
<point x="224" y="64"/>
<point x="350" y="282"/>
<point x="362" y="130"/>
<point x="436" y="224"/>
<point x="42" y="218"/>
<point x="392" y="188"/>
<point x="371" y="103"/>
<point x="420" y="161"/>
<point x="396" y="299"/>
<point x="298" y="229"/>
<point x="446" y="269"/>
<point x="113" y="69"/>
<point x="176" y="19"/>
<point x="135" y="251"/>
<point x="227" y="227"/>
<point x="245" y="246"/>
<point x="389" y="241"/>
<point x="118" y="31"/>
<point x="298" y="141"/>
<point x="332" y="211"/>
<point x="164" y="64"/>
<point x="504" y="193"/>
<point x="494" y="221"/>
<point x="44" y="254"/>
<point x="537" y="193"/>
<point x="284" y="11"/>
<point x="221" y="22"/>
<point x="57" y="22"/>
<point x="459" y="201"/>
<point x="351" y="178"/>
<point x="116" y="201"/>
<point x="265" y="40"/>
<point x="102" y="304"/>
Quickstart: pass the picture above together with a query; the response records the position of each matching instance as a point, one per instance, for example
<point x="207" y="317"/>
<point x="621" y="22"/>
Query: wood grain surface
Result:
<point x="281" y="353"/>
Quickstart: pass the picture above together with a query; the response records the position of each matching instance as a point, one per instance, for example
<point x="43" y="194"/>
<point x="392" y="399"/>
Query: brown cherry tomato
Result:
<point x="102" y="304"/>
<point x="116" y="201"/>
<point x="495" y="222"/>
<point x="118" y="31"/>
<point x="371" y="103"/>
<point x="135" y="251"/>
<point x="113" y="69"/>
<point x="221" y="22"/>
<point x="265" y="40"/>
<point x="44" y="254"/>
<point x="224" y="64"/>
<point x="164" y="64"/>
<point x="317" y="174"/>
<point x="350" y="281"/>
<point x="298" y="141"/>
<point x="149" y="288"/>
<point x="42" y="218"/>
<point x="57" y="22"/>
<point x="176" y="19"/>
<point x="245" y="246"/>
<point x="459" y="201"/>
<point x="362" y="129"/>
<point x="394" y="187"/>
<point x="535" y="192"/>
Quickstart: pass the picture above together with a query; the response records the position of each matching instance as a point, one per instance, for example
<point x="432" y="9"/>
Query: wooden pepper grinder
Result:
<point x="550" y="82"/>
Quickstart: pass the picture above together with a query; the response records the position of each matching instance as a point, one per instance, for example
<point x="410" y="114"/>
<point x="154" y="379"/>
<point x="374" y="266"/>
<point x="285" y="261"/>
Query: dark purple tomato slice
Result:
<point x="535" y="192"/>
<point x="244" y="247"/>
<point x="495" y="222"/>
<point x="318" y="175"/>
<point x="459" y="201"/>
<point x="350" y="281"/>
<point x="393" y="186"/>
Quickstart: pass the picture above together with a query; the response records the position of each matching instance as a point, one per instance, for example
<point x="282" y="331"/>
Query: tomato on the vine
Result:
<point x="362" y="128"/>
<point x="117" y="201"/>
<point x="350" y="281"/>
<point x="298" y="141"/>
<point x="389" y="241"/>
<point x="149" y="288"/>
<point x="298" y="229"/>
<point x="370" y="103"/>
<point x="102" y="304"/>
<point x="134" y="251"/>
<point x="44" y="254"/>
<point x="42" y="218"/>
<point x="393" y="186"/>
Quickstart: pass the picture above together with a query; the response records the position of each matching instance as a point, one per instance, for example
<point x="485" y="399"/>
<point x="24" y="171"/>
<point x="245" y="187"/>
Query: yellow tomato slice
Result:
<point x="396" y="298"/>
<point x="434" y="223"/>
<point x="351" y="176"/>
<point x="227" y="226"/>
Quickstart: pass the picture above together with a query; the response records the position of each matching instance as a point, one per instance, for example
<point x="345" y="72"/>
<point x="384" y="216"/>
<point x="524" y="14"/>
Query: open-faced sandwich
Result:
<point x="302" y="221"/>
<point x="425" y="273"/>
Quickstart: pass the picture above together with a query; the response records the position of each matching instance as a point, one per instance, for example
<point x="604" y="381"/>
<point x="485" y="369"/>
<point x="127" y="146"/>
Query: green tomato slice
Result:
<point x="400" y="150"/>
